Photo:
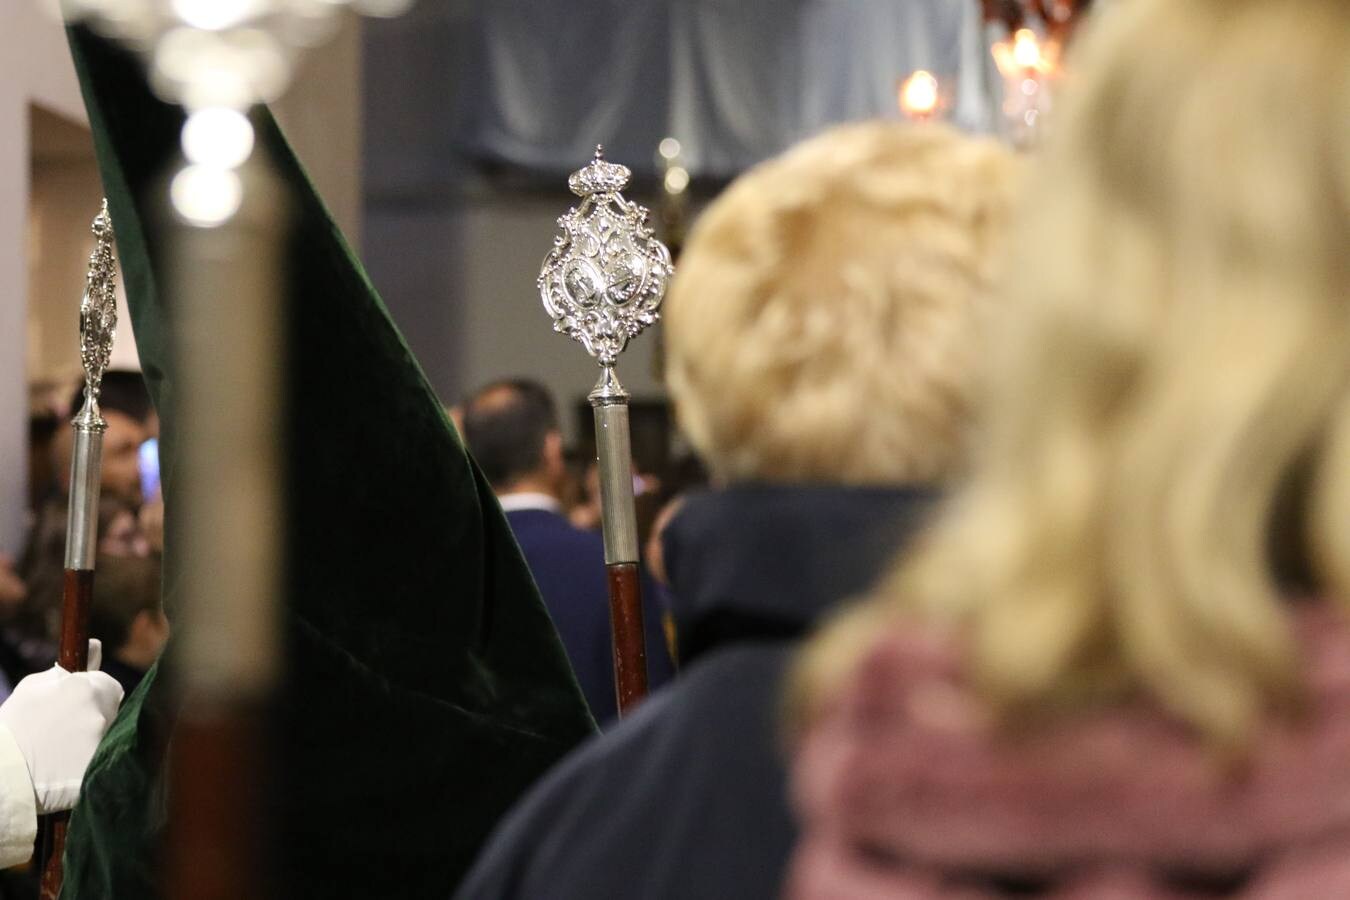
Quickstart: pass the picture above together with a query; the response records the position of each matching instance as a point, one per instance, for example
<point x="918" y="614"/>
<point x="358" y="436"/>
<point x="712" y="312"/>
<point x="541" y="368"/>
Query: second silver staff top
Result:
<point x="603" y="281"/>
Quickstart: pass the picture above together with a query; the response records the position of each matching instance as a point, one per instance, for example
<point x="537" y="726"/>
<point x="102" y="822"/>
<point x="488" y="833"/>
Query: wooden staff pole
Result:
<point x="98" y="320"/>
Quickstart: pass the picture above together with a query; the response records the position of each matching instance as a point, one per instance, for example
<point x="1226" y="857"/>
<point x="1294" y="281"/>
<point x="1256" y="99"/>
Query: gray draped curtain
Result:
<point x="735" y="81"/>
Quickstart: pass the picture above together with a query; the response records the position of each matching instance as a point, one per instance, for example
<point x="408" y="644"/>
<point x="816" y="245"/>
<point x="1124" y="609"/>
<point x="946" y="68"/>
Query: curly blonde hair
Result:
<point x="1179" y="364"/>
<point x="821" y="323"/>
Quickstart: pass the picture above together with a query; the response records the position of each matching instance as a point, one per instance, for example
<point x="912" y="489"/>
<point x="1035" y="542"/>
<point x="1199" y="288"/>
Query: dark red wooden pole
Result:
<point x="73" y="656"/>
<point x="630" y="649"/>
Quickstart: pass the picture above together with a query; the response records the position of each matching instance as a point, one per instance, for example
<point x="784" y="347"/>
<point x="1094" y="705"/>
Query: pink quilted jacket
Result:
<point x="904" y="791"/>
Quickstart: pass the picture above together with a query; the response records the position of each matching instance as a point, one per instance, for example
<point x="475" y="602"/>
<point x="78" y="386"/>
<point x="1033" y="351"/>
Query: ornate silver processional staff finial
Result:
<point x="98" y="320"/>
<point x="606" y="274"/>
<point x="602" y="284"/>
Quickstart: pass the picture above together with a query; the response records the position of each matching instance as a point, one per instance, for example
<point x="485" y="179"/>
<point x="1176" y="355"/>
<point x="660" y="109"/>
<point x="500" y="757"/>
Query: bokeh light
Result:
<point x="217" y="136"/>
<point x="919" y="95"/>
<point x="206" y="196"/>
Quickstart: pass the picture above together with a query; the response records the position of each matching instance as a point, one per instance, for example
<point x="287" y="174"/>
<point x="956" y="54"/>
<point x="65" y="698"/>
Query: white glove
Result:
<point x="57" y="719"/>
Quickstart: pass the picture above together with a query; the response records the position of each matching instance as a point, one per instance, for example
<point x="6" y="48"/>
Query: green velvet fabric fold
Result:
<point x="424" y="687"/>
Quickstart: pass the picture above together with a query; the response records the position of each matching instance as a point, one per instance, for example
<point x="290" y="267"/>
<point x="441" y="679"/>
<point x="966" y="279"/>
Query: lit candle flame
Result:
<point x="919" y="95"/>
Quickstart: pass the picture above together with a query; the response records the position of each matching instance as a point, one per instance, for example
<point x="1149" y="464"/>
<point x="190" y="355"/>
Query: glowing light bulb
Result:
<point x="919" y="95"/>
<point x="218" y="137"/>
<point x="206" y="196"/>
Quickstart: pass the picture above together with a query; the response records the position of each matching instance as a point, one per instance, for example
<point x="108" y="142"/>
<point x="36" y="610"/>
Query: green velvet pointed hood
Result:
<point x="424" y="687"/>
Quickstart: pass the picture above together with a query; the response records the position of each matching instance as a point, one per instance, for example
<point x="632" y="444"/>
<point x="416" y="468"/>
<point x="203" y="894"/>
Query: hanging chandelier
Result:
<point x="1028" y="57"/>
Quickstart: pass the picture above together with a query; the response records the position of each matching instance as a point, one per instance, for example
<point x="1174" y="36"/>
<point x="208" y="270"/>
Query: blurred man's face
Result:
<point x="121" y="456"/>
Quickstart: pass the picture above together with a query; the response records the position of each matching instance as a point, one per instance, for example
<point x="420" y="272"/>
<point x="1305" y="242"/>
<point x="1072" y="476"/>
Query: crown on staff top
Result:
<point x="599" y="176"/>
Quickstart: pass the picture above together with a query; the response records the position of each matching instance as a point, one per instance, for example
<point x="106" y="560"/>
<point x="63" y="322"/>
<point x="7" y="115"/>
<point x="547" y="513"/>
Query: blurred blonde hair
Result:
<point x="1180" y="361"/>
<point x="821" y="322"/>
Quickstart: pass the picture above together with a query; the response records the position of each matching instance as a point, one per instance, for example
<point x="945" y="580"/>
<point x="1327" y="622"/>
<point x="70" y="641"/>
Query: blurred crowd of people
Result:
<point x="512" y="430"/>
<point x="126" y="616"/>
<point x="551" y="497"/>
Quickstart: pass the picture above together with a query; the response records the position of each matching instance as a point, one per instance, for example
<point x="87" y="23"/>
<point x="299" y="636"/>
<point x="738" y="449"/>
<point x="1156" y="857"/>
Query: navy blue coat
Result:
<point x="687" y="797"/>
<point x="568" y="564"/>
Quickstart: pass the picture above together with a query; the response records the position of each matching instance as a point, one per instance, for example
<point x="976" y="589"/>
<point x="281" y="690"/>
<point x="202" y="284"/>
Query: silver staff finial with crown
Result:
<point x="604" y="278"/>
<point x="602" y="283"/>
<point x="98" y="318"/>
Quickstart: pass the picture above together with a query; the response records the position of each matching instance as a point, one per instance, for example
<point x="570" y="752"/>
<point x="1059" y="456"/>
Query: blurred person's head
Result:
<point x="511" y="428"/>
<point x="1172" y="396"/>
<point x="125" y="405"/>
<point x="43" y="426"/>
<point x="126" y="614"/>
<point x="821" y="324"/>
<point x="654" y="551"/>
<point x="585" y="513"/>
<point x="572" y="492"/>
<point x="682" y="477"/>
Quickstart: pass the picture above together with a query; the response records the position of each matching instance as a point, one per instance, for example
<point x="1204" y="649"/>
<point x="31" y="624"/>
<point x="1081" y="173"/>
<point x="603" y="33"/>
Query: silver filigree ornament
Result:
<point x="603" y="281"/>
<point x="98" y="316"/>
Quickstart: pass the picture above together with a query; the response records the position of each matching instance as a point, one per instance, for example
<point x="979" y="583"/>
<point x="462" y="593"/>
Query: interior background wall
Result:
<point x="35" y="70"/>
<point x="322" y="115"/>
